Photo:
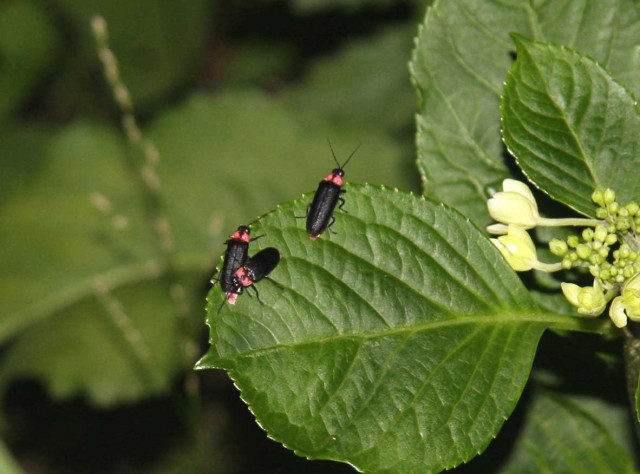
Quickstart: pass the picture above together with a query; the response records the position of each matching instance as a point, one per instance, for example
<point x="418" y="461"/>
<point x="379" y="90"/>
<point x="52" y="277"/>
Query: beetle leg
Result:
<point x="306" y="214"/>
<point x="342" y="204"/>
<point x="333" y="219"/>
<point x="257" y="294"/>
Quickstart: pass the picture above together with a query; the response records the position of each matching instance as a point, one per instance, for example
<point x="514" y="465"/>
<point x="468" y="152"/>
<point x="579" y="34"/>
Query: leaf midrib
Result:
<point x="544" y="319"/>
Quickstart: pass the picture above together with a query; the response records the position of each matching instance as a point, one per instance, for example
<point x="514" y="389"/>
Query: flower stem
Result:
<point x="568" y="221"/>
<point x="548" y="267"/>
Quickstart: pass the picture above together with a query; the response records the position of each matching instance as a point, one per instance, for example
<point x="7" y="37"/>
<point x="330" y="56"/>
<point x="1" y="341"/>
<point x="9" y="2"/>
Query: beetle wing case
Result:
<point x="262" y="263"/>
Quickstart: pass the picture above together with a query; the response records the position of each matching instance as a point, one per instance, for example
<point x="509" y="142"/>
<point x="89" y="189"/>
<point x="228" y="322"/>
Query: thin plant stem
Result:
<point x="143" y="162"/>
<point x="568" y="221"/>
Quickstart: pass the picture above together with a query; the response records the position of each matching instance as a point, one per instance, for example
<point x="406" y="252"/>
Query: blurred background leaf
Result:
<point x="29" y="46"/>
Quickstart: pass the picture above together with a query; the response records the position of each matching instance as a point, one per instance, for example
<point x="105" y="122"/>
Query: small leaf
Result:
<point x="462" y="55"/>
<point x="571" y="126"/>
<point x="398" y="345"/>
<point x="559" y="436"/>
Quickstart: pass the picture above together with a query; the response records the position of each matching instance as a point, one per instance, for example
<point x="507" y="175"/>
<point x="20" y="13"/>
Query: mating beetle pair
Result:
<point x="239" y="271"/>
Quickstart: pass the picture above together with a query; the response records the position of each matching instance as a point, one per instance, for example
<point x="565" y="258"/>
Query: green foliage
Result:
<point x="29" y="45"/>
<point x="157" y="44"/>
<point x="363" y="85"/>
<point x="460" y="63"/>
<point x="572" y="127"/>
<point x="399" y="344"/>
<point x="54" y="261"/>
<point x="559" y="436"/>
<point x="410" y="337"/>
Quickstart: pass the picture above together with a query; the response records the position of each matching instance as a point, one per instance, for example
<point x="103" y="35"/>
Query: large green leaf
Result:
<point x="158" y="45"/>
<point x="7" y="464"/>
<point x="29" y="45"/>
<point x="570" y="125"/>
<point x="59" y="252"/>
<point x="366" y="84"/>
<point x="460" y="63"/>
<point x="559" y="436"/>
<point x="399" y="344"/>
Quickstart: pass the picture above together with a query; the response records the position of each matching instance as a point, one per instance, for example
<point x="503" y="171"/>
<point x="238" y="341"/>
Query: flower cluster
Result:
<point x="609" y="247"/>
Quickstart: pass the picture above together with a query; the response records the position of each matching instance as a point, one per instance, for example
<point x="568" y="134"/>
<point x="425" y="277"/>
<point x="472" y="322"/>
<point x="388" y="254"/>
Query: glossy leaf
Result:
<point x="559" y="436"/>
<point x="460" y="62"/>
<point x="570" y="125"/>
<point x="399" y="344"/>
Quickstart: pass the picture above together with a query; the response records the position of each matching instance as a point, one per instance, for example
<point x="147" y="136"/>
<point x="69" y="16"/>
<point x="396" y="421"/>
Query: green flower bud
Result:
<point x="558" y="247"/>
<point x="613" y="208"/>
<point x="611" y="229"/>
<point x="609" y="196"/>
<point x="583" y="251"/>
<point x="604" y="274"/>
<point x="625" y="251"/>
<point x="597" y="197"/>
<point x="623" y="212"/>
<point x="619" y="278"/>
<point x="595" y="259"/>
<point x="633" y="208"/>
<point x="611" y="239"/>
<point x="601" y="213"/>
<point x="600" y="233"/>
<point x="587" y="234"/>
<point x="573" y="241"/>
<point x="566" y="263"/>
<point x="628" y="271"/>
<point x="573" y="257"/>
<point x="604" y="252"/>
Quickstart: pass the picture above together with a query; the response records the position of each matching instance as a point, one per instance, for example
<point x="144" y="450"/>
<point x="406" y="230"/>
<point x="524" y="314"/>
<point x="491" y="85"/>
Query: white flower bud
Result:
<point x="589" y="300"/>
<point x="514" y="205"/>
<point x="616" y="312"/>
<point x="517" y="248"/>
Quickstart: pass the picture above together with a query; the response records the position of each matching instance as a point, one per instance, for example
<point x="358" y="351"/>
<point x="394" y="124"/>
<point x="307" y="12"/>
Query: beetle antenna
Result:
<point x="351" y="155"/>
<point x="333" y="154"/>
